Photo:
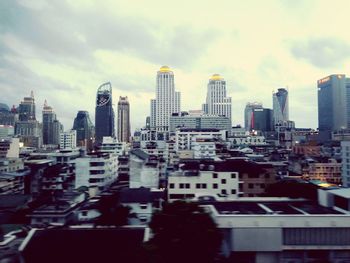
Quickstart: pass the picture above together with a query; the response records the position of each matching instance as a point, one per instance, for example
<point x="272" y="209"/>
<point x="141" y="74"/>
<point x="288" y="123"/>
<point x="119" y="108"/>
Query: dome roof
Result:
<point x="216" y="77"/>
<point x="4" y="107"/>
<point x="164" y="69"/>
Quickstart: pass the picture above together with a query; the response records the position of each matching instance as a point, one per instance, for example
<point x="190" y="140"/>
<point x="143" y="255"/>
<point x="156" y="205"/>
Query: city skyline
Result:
<point x="66" y="61"/>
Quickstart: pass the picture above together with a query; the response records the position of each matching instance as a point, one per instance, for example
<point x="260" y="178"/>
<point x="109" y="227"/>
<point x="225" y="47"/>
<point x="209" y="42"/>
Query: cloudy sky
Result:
<point x="64" y="49"/>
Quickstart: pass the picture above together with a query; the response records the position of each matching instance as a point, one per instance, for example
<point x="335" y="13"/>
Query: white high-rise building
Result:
<point x="167" y="99"/>
<point x="217" y="101"/>
<point x="68" y="139"/>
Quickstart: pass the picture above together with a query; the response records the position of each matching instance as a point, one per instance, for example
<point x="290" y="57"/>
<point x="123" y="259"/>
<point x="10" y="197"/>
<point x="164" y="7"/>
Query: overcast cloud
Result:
<point x="64" y="49"/>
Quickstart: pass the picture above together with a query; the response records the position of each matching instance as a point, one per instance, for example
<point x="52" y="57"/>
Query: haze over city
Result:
<point x="63" y="50"/>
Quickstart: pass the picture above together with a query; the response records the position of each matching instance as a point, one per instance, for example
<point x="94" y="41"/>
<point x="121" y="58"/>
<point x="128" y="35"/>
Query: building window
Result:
<point x="84" y="213"/>
<point x="204" y="186"/>
<point x="215" y="175"/>
<point x="215" y="186"/>
<point x="233" y="191"/>
<point x="251" y="186"/>
<point x="198" y="186"/>
<point x="171" y="186"/>
<point x="187" y="186"/>
<point x="223" y="191"/>
<point x="182" y="186"/>
<point x="143" y="206"/>
<point x="233" y="176"/>
<point x="223" y="181"/>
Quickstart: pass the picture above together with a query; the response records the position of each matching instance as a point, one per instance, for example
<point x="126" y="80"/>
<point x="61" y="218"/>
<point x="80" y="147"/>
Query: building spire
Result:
<point x="32" y="94"/>
<point x="45" y="103"/>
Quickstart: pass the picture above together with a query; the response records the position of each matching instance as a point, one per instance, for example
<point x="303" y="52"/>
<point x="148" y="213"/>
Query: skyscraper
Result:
<point x="248" y="114"/>
<point x="262" y="120"/>
<point x="50" y="134"/>
<point x="280" y="106"/>
<point x="104" y="114"/>
<point x="26" y="109"/>
<point x="27" y="127"/>
<point x="123" y="119"/>
<point x="333" y="106"/>
<point x="167" y="99"/>
<point x="84" y="127"/>
<point x="217" y="102"/>
<point x="153" y="114"/>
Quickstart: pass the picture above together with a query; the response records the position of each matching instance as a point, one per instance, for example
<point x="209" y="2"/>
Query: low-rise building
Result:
<point x="217" y="178"/>
<point x="327" y="170"/>
<point x="282" y="230"/>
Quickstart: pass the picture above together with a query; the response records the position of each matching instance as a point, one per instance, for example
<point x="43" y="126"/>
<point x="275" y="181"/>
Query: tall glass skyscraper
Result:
<point x="333" y="106"/>
<point x="84" y="128"/>
<point x="123" y="119"/>
<point x="217" y="102"/>
<point x="50" y="133"/>
<point x="280" y="106"/>
<point x="26" y="109"/>
<point x="104" y="114"/>
<point x="248" y="114"/>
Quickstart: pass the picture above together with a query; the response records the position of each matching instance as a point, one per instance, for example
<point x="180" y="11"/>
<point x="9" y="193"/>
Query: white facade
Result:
<point x="9" y="148"/>
<point x="217" y="102"/>
<point x="110" y="145"/>
<point x="187" y="184"/>
<point x="96" y="170"/>
<point x="204" y="149"/>
<point x="68" y="139"/>
<point x="345" y="154"/>
<point x="247" y="140"/>
<point x="167" y="99"/>
<point x="6" y="131"/>
<point x="185" y="138"/>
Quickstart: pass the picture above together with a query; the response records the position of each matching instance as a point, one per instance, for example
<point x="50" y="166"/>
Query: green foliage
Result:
<point x="183" y="232"/>
<point x="112" y="213"/>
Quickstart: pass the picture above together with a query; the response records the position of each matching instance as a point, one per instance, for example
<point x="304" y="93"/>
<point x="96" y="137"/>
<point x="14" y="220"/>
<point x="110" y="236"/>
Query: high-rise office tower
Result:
<point x="123" y="119"/>
<point x="153" y="114"/>
<point x="27" y="127"/>
<point x="26" y="109"/>
<point x="262" y="120"/>
<point x="104" y="114"/>
<point x="280" y="106"/>
<point x="8" y="116"/>
<point x="84" y="128"/>
<point x="167" y="99"/>
<point x="217" y="102"/>
<point x="333" y="103"/>
<point x="49" y="116"/>
<point x="248" y="114"/>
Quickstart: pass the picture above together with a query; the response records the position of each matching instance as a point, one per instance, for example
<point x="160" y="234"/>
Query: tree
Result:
<point x="183" y="232"/>
<point x="112" y="212"/>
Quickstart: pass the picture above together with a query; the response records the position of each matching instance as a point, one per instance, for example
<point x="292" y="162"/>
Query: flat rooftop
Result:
<point x="270" y="207"/>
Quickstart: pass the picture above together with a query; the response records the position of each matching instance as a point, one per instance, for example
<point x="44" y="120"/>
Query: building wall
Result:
<point x="206" y="182"/>
<point x="345" y="165"/>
